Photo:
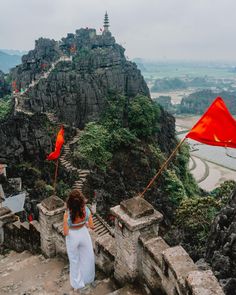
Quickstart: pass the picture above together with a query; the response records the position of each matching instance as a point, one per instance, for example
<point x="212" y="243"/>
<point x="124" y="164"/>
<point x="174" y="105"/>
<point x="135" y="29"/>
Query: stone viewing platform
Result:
<point x="134" y="253"/>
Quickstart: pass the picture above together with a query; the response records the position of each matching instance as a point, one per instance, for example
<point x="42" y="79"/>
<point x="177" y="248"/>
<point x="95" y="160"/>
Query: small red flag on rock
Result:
<point x="59" y="142"/>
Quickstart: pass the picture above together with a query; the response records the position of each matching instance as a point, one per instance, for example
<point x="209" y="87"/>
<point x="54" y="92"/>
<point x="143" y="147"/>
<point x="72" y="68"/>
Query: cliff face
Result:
<point x="221" y="250"/>
<point x="4" y="86"/>
<point x="76" y="89"/>
<point x="24" y="139"/>
<point x="35" y="62"/>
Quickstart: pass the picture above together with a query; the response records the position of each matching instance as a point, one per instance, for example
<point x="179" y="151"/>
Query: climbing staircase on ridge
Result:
<point x="21" y="98"/>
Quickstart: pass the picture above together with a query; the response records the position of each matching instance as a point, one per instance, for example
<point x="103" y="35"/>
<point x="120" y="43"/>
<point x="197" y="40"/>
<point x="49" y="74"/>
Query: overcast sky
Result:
<point x="155" y="29"/>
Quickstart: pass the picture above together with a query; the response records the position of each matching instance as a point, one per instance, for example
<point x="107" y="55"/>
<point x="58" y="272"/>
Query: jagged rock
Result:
<point x="77" y="90"/>
<point x="22" y="138"/>
<point x="221" y="246"/>
<point x="35" y="62"/>
<point x="4" y="86"/>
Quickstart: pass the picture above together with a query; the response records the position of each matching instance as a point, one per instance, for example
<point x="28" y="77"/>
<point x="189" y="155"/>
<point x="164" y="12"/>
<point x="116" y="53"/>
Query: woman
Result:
<point x="79" y="246"/>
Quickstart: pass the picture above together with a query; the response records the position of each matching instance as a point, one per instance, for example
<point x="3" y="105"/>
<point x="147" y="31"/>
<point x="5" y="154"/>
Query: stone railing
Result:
<point x="141" y="254"/>
<point x="16" y="235"/>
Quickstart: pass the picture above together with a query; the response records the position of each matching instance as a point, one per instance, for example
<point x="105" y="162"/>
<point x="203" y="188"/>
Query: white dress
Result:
<point x="81" y="257"/>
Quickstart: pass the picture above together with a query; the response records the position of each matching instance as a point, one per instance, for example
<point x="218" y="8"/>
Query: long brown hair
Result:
<point x="76" y="203"/>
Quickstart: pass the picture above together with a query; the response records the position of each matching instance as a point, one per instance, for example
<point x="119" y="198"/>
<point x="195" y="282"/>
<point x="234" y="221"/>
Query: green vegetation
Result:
<point x="224" y="191"/>
<point x="174" y="188"/>
<point x="5" y="106"/>
<point x="198" y="102"/>
<point x="122" y="124"/>
<point x="134" y="126"/>
<point x="194" y="217"/>
<point x="94" y="145"/>
<point x="143" y="117"/>
<point x="168" y="84"/>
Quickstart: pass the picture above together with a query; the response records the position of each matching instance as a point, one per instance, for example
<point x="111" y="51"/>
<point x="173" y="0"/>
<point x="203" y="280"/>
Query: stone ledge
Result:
<point x="179" y="262"/>
<point x="4" y="211"/>
<point x="155" y="248"/>
<point x="59" y="228"/>
<point x="136" y="224"/>
<point x="107" y="243"/>
<point x="203" y="283"/>
<point x="51" y="213"/>
<point x="52" y="203"/>
<point x="137" y="207"/>
<point x="11" y="217"/>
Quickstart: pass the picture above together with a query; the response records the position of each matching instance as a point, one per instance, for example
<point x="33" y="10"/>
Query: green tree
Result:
<point x="173" y="187"/>
<point x="143" y="116"/>
<point x="94" y="145"/>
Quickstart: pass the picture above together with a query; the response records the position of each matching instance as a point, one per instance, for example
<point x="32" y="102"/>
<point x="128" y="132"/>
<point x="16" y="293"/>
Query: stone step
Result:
<point x="128" y="290"/>
<point x="102" y="232"/>
<point x="78" y="182"/>
<point x="103" y="287"/>
<point x="17" y="224"/>
<point x="25" y="225"/>
<point x="84" y="171"/>
<point x="77" y="187"/>
<point x="83" y="175"/>
<point x="99" y="227"/>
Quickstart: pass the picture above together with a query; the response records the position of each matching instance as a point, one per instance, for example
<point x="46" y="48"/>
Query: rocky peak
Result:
<point x="35" y="62"/>
<point x="77" y="87"/>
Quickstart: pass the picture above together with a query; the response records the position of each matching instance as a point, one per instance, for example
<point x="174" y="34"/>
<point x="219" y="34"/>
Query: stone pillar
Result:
<point x="51" y="211"/>
<point x="133" y="217"/>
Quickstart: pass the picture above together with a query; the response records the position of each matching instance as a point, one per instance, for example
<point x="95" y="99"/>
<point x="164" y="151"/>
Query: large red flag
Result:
<point x="59" y="142"/>
<point x="216" y="126"/>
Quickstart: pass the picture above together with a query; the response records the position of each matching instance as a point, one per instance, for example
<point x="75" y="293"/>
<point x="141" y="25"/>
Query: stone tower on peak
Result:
<point x="106" y="23"/>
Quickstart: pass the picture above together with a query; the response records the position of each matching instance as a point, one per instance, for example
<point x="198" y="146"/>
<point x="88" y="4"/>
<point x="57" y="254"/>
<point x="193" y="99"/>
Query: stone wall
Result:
<point x="16" y="235"/>
<point x="141" y="254"/>
<point x="21" y="236"/>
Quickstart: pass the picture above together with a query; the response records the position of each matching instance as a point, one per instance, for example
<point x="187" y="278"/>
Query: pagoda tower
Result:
<point x="106" y="23"/>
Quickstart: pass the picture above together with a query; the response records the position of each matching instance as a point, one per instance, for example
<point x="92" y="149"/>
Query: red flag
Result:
<point x="59" y="142"/>
<point x="216" y="126"/>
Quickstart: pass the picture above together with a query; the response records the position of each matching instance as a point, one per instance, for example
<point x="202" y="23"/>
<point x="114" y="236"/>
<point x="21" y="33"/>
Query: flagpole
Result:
<point x="162" y="167"/>
<point x="55" y="176"/>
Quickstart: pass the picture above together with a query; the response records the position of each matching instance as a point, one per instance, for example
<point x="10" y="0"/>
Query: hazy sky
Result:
<point x="155" y="29"/>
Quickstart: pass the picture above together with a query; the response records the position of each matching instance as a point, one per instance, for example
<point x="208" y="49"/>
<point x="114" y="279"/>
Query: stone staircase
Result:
<point x="69" y="167"/>
<point x="20" y="98"/>
<point x="101" y="227"/>
<point x="24" y="273"/>
<point x="20" y="107"/>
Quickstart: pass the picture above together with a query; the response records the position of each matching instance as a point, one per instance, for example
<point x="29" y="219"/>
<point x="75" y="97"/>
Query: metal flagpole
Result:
<point x="162" y="167"/>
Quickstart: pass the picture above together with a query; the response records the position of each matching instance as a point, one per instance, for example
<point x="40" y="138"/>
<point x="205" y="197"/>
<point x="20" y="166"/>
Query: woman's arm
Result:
<point x="90" y="222"/>
<point x="65" y="224"/>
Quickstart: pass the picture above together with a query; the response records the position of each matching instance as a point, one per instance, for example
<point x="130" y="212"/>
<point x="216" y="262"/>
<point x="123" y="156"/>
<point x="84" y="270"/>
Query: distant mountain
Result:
<point x="14" y="51"/>
<point x="8" y="61"/>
